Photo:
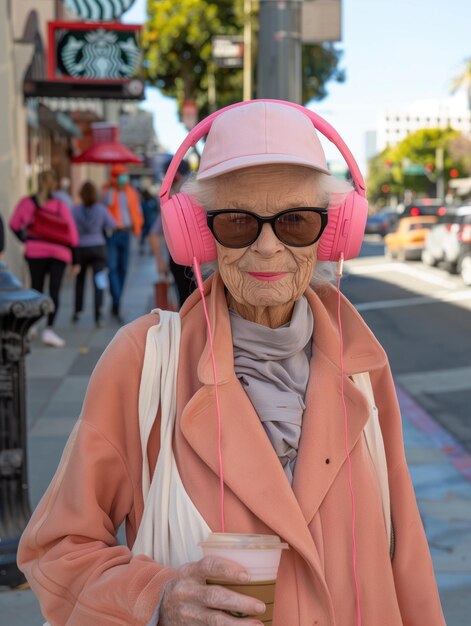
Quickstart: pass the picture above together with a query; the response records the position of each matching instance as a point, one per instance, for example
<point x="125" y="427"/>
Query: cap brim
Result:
<point x="257" y="159"/>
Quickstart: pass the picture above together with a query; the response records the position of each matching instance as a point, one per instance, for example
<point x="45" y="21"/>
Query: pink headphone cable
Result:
<point x="199" y="282"/>
<point x="349" y="461"/>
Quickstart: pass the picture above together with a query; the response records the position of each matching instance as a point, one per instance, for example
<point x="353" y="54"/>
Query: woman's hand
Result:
<point x="189" y="600"/>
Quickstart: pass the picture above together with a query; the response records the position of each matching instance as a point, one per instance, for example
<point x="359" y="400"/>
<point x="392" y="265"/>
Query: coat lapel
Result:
<point x="322" y="450"/>
<point x="251" y="468"/>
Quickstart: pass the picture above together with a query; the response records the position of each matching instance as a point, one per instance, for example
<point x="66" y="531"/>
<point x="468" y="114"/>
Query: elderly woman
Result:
<point x="284" y="383"/>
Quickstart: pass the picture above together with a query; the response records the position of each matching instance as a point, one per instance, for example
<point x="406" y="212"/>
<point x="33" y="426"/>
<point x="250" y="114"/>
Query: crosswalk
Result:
<point x="429" y="285"/>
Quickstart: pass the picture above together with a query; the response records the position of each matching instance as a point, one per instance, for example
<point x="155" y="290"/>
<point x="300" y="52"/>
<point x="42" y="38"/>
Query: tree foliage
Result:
<point x="389" y="172"/>
<point x="320" y="65"/>
<point x="459" y="149"/>
<point x="178" y="52"/>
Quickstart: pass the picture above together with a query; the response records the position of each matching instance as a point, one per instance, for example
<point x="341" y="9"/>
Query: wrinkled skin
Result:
<point x="264" y="190"/>
<point x="188" y="600"/>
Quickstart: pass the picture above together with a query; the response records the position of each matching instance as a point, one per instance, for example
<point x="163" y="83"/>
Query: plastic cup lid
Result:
<point x="243" y="540"/>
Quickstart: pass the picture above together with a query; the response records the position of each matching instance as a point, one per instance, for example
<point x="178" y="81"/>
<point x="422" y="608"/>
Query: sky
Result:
<point x="395" y="52"/>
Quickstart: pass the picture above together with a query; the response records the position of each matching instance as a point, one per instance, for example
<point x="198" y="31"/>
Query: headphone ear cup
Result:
<point x="345" y="229"/>
<point x="186" y="231"/>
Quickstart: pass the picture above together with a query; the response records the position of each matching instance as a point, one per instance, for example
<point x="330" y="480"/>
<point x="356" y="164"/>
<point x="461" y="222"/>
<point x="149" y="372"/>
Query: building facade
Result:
<point x="44" y="122"/>
<point x="396" y="123"/>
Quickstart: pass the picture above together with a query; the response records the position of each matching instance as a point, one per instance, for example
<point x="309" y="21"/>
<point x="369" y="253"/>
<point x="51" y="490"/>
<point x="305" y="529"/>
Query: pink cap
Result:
<point x="260" y="133"/>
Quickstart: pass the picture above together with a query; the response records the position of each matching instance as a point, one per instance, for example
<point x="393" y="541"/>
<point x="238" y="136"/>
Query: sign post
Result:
<point x="228" y="50"/>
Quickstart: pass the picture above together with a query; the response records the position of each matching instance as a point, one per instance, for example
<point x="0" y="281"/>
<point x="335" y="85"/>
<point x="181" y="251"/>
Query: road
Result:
<point x="422" y="317"/>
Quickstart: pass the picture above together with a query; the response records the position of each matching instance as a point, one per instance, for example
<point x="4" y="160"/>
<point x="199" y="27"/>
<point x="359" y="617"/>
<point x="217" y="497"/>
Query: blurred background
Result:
<point x="89" y="84"/>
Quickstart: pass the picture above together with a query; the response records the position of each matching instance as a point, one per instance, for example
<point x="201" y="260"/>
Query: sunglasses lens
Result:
<point x="235" y="230"/>
<point x="298" y="228"/>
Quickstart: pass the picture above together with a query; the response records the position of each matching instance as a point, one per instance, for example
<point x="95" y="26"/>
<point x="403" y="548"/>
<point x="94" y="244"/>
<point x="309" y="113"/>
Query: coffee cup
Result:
<point x="259" y="555"/>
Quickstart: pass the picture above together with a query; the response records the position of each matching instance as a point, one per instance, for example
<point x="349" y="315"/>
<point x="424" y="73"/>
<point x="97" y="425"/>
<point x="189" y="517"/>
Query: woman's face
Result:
<point x="266" y="190"/>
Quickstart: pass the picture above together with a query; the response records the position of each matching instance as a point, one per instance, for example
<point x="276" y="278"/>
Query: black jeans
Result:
<point x="96" y="258"/>
<point x="39" y="269"/>
<point x="184" y="280"/>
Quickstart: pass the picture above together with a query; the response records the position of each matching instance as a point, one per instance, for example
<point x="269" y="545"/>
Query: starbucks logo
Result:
<point x="99" y="10"/>
<point x="99" y="54"/>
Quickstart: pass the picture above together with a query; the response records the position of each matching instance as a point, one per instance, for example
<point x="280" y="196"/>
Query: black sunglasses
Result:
<point x="297" y="227"/>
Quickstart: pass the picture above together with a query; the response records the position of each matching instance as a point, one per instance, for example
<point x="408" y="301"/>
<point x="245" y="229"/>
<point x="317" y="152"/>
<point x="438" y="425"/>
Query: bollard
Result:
<point x="19" y="310"/>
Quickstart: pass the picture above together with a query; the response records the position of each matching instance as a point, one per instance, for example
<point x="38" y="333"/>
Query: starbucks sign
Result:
<point x="99" y="10"/>
<point x="94" y="52"/>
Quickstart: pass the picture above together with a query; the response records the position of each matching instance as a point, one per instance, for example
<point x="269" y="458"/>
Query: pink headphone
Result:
<point x="184" y="221"/>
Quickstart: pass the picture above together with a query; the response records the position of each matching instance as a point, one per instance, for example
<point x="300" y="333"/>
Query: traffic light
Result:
<point x="454" y="173"/>
<point x="429" y="167"/>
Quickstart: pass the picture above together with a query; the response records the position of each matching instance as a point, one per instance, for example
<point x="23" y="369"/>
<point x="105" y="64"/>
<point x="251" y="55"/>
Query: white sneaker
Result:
<point x="50" y="338"/>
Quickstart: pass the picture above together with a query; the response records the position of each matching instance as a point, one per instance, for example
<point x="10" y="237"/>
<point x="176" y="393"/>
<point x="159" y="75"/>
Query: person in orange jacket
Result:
<point x="123" y="203"/>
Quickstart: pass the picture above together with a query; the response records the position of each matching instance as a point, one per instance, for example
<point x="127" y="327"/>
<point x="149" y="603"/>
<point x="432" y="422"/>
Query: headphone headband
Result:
<point x="203" y="128"/>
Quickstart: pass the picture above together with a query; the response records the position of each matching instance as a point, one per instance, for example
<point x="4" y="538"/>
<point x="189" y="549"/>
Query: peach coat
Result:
<point x="69" y="551"/>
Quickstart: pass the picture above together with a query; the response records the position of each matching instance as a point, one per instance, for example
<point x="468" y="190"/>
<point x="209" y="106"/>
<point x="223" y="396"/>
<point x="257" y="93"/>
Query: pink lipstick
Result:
<point x="269" y="276"/>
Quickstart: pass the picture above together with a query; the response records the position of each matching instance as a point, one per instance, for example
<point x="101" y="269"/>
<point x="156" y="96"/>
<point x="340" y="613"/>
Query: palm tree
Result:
<point x="463" y="80"/>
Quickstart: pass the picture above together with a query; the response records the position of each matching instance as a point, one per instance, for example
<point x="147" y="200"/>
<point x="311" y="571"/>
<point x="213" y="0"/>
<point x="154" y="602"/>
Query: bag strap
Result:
<point x="158" y="379"/>
<point x="375" y="445"/>
<point x="34" y="200"/>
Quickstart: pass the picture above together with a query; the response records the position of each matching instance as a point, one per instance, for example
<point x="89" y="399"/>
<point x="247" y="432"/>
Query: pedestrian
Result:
<point x="47" y="227"/>
<point x="2" y="237"/>
<point x="150" y="209"/>
<point x="123" y="204"/>
<point x="93" y="220"/>
<point x="182" y="275"/>
<point x="62" y="192"/>
<point x="247" y="412"/>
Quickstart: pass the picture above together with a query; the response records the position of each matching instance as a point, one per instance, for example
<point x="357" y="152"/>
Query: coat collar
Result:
<point x="252" y="470"/>
<point x="361" y="350"/>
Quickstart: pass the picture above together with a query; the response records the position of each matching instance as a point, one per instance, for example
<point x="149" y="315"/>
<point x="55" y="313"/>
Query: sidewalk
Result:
<point x="56" y="383"/>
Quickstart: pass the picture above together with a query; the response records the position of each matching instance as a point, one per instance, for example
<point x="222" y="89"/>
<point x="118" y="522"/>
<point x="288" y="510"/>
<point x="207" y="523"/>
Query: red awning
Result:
<point x="112" y="152"/>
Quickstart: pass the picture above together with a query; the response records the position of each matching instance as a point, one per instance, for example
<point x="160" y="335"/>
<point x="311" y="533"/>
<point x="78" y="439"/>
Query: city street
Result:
<point x="133" y="128"/>
<point x="420" y="316"/>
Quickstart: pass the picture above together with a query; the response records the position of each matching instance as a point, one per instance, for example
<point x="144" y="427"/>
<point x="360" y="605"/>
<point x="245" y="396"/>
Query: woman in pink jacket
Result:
<point x="46" y="258"/>
<point x="283" y="414"/>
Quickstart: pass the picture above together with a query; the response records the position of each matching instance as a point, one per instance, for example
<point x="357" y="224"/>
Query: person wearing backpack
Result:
<point x="47" y="228"/>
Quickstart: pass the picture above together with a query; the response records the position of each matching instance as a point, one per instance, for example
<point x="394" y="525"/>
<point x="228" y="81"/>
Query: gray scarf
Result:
<point x="272" y="365"/>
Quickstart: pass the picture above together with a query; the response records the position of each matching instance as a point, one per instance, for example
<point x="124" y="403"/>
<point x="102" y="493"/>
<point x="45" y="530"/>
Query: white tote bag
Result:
<point x="171" y="526"/>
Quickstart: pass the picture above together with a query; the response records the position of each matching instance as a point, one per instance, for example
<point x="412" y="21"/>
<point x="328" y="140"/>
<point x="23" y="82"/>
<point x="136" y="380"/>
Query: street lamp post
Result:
<point x="279" y="54"/>
<point x="19" y="310"/>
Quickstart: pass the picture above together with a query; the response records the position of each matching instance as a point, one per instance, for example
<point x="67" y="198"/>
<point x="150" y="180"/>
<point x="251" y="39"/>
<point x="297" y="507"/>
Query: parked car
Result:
<point x="407" y="241"/>
<point x="457" y="242"/>
<point x="441" y="243"/>
<point x="425" y="206"/>
<point x="465" y="263"/>
<point x="458" y="249"/>
<point x="382" y="222"/>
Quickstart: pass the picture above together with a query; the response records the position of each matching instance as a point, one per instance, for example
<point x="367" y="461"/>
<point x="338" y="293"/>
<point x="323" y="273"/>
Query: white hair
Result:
<point x="332" y="191"/>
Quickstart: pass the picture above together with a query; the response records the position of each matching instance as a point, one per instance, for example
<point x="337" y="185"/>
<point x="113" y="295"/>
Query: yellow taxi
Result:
<point x="407" y="241"/>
